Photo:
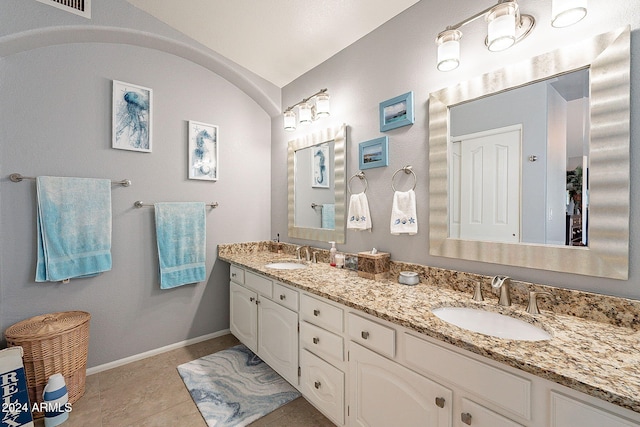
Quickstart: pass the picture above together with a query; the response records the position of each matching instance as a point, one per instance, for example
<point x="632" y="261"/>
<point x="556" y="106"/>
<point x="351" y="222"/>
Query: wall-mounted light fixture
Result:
<point x="309" y="109"/>
<point x="506" y="26"/>
<point x="567" y="12"/>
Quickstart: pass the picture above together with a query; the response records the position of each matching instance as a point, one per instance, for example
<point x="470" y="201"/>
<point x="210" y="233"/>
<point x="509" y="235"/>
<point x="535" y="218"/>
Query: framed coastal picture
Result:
<point x="203" y="151"/>
<point x="396" y="112"/>
<point x="131" y="117"/>
<point x="320" y="166"/>
<point x="373" y="153"/>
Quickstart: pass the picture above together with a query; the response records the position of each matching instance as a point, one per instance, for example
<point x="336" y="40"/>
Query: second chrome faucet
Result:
<point x="502" y="283"/>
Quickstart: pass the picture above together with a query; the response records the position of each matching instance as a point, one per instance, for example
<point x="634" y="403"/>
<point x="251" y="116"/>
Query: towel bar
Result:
<point x="140" y="204"/>
<point x="16" y="177"/>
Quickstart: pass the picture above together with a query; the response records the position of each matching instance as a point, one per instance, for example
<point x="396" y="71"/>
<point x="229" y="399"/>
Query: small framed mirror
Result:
<point x="316" y="185"/>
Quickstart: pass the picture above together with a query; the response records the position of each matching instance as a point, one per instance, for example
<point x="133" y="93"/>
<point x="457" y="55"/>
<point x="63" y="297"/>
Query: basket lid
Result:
<point x="47" y="324"/>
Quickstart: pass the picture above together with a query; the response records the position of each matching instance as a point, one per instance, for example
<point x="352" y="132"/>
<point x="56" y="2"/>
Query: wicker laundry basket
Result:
<point x="53" y="343"/>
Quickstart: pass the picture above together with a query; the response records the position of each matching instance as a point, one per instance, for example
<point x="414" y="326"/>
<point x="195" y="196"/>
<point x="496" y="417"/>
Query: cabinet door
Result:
<point x="384" y="393"/>
<point x="243" y="320"/>
<point x="278" y="343"/>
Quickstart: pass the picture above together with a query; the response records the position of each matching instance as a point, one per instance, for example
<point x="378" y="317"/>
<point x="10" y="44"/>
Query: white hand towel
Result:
<point x="359" y="217"/>
<point x="403" y="213"/>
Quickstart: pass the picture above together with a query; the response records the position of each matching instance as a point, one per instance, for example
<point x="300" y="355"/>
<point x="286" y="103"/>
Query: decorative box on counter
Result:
<point x="373" y="266"/>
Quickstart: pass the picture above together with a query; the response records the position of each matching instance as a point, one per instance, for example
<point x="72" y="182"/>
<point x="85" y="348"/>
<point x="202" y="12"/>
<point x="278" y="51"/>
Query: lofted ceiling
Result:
<point x="279" y="40"/>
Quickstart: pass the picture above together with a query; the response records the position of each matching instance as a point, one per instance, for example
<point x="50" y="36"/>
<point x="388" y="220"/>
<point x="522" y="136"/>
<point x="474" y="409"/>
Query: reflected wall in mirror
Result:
<point x="316" y="185"/>
<point x="511" y="155"/>
<point x="606" y="59"/>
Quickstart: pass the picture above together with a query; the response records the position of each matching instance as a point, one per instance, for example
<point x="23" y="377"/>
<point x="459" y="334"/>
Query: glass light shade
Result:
<point x="304" y="114"/>
<point x="567" y="12"/>
<point x="289" y="120"/>
<point x="501" y="32"/>
<point x="322" y="105"/>
<point x="448" y="43"/>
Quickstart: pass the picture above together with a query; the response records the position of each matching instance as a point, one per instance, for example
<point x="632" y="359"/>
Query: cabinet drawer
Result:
<point x="285" y="296"/>
<point x="260" y="284"/>
<point x="323" y="385"/>
<point x="375" y="336"/>
<point x="478" y="415"/>
<point x="236" y="274"/>
<point x="321" y="342"/>
<point x="567" y="412"/>
<point x="507" y="391"/>
<point x="321" y="313"/>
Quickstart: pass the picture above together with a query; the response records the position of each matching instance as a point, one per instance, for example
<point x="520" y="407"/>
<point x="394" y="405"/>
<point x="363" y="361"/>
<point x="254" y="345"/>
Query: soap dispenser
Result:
<point x="332" y="254"/>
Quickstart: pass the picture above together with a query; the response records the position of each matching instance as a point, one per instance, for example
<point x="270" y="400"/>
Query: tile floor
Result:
<point x="150" y="393"/>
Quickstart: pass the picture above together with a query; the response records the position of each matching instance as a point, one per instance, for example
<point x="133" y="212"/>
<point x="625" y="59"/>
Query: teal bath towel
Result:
<point x="329" y="216"/>
<point x="73" y="226"/>
<point x="181" y="236"/>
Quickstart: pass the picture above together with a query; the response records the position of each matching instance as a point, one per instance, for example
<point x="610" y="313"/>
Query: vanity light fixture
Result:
<point x="506" y="26"/>
<point x="309" y="109"/>
<point x="567" y="12"/>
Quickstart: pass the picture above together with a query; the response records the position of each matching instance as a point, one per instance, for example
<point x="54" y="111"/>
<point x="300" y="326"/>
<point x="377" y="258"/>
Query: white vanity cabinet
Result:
<point x="263" y="316"/>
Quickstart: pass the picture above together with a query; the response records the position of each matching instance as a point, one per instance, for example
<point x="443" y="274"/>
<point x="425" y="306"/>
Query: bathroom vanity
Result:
<point x="371" y="353"/>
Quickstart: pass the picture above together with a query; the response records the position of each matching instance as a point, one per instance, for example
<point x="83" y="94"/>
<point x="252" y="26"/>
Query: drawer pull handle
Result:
<point x="258" y="301"/>
<point x="282" y="297"/>
<point x="440" y="402"/>
<point x="317" y="384"/>
<point x="316" y="312"/>
<point x="316" y="340"/>
<point x="252" y="299"/>
<point x="466" y="418"/>
<point x="233" y="274"/>
<point x="364" y="335"/>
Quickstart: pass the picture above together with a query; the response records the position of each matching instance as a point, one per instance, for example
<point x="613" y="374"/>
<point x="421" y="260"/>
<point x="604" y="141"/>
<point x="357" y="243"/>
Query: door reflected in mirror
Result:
<point x="516" y="164"/>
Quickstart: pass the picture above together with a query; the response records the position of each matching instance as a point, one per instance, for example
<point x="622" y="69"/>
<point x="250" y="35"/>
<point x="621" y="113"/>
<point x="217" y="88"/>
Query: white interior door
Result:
<point x="489" y="185"/>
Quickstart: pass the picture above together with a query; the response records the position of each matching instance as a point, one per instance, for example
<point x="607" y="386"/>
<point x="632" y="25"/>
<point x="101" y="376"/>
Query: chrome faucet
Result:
<point x="502" y="283"/>
<point x="307" y="254"/>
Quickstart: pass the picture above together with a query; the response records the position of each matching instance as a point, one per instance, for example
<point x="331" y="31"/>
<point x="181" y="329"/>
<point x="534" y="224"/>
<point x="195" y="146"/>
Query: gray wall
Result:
<point x="55" y="104"/>
<point x="400" y="56"/>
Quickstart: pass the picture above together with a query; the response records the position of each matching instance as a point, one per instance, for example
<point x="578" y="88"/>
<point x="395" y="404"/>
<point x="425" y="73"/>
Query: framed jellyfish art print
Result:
<point x="203" y="151"/>
<point x="132" y="113"/>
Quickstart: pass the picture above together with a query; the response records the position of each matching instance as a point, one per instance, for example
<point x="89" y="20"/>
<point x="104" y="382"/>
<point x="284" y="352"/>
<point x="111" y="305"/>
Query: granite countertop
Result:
<point x="596" y="358"/>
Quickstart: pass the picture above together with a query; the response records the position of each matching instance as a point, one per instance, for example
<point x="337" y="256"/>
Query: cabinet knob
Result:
<point x="258" y="301"/>
<point x="233" y="274"/>
<point x="440" y="402"/>
<point x="317" y="384"/>
<point x="364" y="335"/>
<point x="316" y="340"/>
<point x="466" y="418"/>
<point x="252" y="299"/>
<point x="283" y="297"/>
<point x="316" y="312"/>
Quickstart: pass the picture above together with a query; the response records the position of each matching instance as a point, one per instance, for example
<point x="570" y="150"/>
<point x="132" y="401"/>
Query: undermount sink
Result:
<point x="285" y="265"/>
<point x="489" y="323"/>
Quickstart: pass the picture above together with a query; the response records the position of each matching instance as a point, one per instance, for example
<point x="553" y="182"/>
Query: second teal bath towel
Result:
<point x="181" y="236"/>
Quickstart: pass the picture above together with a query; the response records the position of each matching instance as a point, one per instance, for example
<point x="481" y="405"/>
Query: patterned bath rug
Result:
<point x="234" y="387"/>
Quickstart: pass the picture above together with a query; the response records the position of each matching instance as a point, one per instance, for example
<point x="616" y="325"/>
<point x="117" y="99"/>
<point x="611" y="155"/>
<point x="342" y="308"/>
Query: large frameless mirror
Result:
<point x="529" y="165"/>
<point x="316" y="185"/>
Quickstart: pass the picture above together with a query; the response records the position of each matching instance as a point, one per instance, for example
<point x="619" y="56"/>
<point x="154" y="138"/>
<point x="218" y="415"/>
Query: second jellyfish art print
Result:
<point x="132" y="112"/>
<point x="203" y="151"/>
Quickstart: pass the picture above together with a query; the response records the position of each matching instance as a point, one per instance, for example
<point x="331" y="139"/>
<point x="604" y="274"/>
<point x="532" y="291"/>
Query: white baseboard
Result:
<point x="136" y="357"/>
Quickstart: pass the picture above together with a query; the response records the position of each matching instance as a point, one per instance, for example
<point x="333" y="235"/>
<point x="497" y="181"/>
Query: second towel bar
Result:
<point x="140" y="204"/>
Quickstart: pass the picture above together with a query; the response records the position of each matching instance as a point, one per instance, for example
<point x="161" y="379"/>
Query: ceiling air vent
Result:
<point x="79" y="7"/>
